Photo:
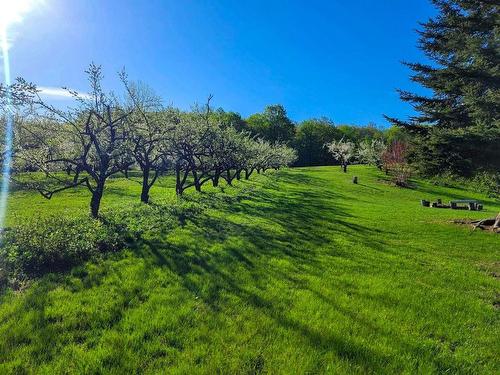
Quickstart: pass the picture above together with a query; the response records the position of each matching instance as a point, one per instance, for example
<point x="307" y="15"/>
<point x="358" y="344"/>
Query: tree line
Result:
<point x="105" y="135"/>
<point x="308" y="137"/>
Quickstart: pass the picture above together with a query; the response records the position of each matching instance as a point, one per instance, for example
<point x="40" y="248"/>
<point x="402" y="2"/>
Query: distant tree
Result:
<point x="148" y="124"/>
<point x="88" y="142"/>
<point x="356" y="133"/>
<point x="396" y="133"/>
<point x="343" y="151"/>
<point x="281" y="156"/>
<point x="272" y="125"/>
<point x="463" y="152"/>
<point x="190" y="147"/>
<point x="310" y="137"/>
<point x="370" y="152"/>
<point x="231" y="119"/>
<point x="230" y="155"/>
<point x="394" y="160"/>
<point x="462" y="43"/>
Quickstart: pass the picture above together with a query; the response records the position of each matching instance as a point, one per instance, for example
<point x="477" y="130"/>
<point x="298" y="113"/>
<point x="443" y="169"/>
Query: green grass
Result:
<point x="296" y="272"/>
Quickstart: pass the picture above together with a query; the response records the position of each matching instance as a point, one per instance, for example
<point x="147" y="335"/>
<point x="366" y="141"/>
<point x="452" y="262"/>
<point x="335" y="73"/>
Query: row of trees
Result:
<point x="309" y="136"/>
<point x="106" y="135"/>
<point x="392" y="158"/>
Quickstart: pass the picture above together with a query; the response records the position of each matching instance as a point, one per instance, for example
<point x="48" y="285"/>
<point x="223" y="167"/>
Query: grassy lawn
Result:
<point x="299" y="271"/>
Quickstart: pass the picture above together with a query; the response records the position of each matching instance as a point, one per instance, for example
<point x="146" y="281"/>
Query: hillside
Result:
<point x="295" y="271"/>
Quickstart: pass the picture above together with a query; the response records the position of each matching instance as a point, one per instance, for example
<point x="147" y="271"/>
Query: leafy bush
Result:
<point x="483" y="182"/>
<point x="58" y="243"/>
<point x="52" y="244"/>
<point x="488" y="183"/>
<point x="4" y="276"/>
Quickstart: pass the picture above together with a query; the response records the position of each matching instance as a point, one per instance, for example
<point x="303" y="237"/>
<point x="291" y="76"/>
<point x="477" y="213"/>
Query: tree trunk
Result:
<point x="248" y="173"/>
<point x="229" y="179"/>
<point x="145" y="186"/>
<point x="197" y="184"/>
<point x="344" y="167"/>
<point x="238" y="174"/>
<point x="215" y="179"/>
<point x="95" y="201"/>
<point x="178" y="187"/>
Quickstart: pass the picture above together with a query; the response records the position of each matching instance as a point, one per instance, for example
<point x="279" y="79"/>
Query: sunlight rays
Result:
<point x="9" y="118"/>
<point x="11" y="12"/>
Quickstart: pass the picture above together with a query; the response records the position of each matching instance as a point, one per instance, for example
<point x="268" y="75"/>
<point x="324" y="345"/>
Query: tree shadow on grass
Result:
<point x="285" y="226"/>
<point x="276" y="230"/>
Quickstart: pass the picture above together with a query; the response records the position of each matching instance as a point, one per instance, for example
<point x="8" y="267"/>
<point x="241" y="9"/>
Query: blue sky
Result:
<point x="339" y="59"/>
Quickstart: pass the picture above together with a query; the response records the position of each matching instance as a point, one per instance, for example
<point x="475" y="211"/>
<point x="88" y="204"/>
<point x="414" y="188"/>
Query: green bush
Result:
<point x="54" y="244"/>
<point x="4" y="277"/>
<point x="488" y="183"/>
<point x="483" y="182"/>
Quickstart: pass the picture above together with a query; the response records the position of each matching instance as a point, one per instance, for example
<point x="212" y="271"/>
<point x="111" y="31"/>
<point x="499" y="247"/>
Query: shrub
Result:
<point x="52" y="244"/>
<point x="55" y="244"/>
<point x="394" y="161"/>
<point x="488" y="183"/>
<point x="483" y="182"/>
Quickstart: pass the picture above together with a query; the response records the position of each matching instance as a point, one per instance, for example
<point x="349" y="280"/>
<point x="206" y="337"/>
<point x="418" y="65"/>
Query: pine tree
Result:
<point x="463" y="44"/>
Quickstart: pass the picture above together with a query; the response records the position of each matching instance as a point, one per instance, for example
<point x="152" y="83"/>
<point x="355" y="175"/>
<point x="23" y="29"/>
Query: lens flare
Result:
<point x="9" y="117"/>
<point x="11" y="11"/>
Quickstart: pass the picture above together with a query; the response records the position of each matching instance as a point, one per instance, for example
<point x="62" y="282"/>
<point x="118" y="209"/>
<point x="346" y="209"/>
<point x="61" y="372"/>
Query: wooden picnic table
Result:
<point x="473" y="204"/>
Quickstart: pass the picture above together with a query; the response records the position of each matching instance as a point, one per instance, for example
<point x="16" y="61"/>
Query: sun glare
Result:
<point x="12" y="11"/>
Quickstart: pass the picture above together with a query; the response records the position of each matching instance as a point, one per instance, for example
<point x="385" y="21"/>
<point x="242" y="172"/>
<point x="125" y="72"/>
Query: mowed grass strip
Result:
<point x="297" y="271"/>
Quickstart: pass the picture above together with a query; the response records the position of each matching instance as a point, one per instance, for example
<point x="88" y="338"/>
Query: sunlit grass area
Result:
<point x="296" y="271"/>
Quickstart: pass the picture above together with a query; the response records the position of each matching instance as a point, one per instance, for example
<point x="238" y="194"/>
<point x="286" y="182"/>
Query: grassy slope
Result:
<point x="298" y="272"/>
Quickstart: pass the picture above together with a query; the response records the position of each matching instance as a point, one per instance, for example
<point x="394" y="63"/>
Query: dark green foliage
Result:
<point x="273" y="124"/>
<point x="458" y="126"/>
<point x="462" y="152"/>
<point x="488" y="183"/>
<point x="54" y="243"/>
<point x="230" y="119"/>
<point x="484" y="182"/>
<point x="310" y="138"/>
<point x="360" y="133"/>
<point x="396" y="133"/>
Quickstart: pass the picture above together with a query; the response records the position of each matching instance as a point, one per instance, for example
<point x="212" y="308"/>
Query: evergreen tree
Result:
<point x="462" y="42"/>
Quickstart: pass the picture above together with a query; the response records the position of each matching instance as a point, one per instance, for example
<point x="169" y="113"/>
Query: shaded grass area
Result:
<point x="295" y="272"/>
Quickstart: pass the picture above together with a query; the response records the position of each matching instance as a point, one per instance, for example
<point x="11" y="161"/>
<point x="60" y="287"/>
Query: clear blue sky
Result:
<point x="338" y="58"/>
